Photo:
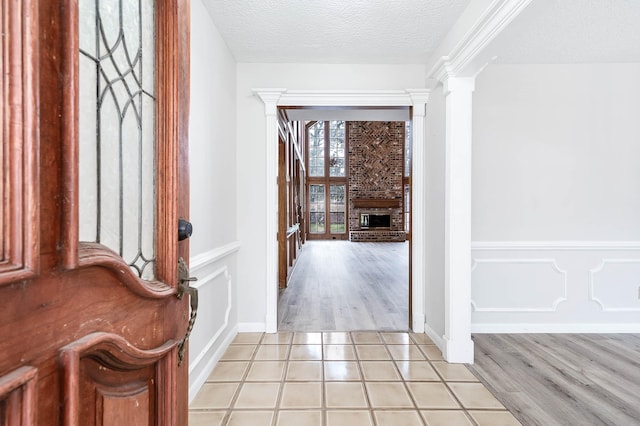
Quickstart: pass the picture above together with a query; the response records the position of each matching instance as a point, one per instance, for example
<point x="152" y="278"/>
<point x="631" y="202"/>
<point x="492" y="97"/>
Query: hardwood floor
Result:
<point x="345" y="286"/>
<point x="563" y="379"/>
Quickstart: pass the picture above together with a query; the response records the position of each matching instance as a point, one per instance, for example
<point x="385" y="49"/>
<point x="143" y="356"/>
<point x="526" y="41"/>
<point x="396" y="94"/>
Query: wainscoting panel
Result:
<point x="216" y="323"/>
<point x="498" y="285"/>
<point x="215" y="288"/>
<point x="555" y="286"/>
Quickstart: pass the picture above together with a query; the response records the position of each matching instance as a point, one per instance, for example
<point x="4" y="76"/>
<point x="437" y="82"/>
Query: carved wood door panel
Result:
<point x="86" y="337"/>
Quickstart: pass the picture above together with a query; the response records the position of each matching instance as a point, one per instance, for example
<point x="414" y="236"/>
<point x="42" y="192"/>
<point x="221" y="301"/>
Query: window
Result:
<point x="327" y="170"/>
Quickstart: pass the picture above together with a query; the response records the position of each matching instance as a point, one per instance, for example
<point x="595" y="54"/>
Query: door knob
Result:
<point x="185" y="229"/>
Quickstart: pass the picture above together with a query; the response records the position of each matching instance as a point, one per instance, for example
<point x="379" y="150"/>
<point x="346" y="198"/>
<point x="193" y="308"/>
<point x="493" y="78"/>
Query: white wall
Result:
<point x="252" y="282"/>
<point x="435" y="212"/>
<point x="212" y="158"/>
<point x="556" y="198"/>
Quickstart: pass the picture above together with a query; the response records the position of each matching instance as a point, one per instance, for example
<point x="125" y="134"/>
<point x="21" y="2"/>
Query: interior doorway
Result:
<point x="366" y="99"/>
<point x="357" y="180"/>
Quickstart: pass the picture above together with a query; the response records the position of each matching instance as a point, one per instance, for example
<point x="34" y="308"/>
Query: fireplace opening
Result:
<point x="371" y="220"/>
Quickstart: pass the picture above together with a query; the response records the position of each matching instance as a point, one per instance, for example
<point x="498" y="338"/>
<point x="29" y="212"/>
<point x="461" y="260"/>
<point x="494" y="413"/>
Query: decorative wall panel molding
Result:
<point x="206" y="311"/>
<point x="615" y="285"/>
<point x="517" y="285"/>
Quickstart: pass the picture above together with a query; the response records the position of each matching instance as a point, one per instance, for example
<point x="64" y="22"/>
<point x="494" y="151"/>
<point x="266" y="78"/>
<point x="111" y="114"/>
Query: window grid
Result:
<point x="326" y="153"/>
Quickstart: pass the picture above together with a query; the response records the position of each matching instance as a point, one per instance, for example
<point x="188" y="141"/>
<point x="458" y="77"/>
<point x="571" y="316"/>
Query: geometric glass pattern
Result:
<point x="407" y="148"/>
<point x="317" y="209"/>
<point x="117" y="128"/>
<point x="336" y="149"/>
<point x="338" y="209"/>
<point x="316" y="149"/>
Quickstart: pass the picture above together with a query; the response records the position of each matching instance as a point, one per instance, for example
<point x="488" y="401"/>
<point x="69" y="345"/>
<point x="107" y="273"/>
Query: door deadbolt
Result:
<point x="185" y="229"/>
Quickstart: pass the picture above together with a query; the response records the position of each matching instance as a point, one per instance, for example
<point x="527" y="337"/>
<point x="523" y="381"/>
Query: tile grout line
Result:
<point x="374" y="421"/>
<point x="283" y="378"/>
<point x="442" y="378"/>
<point x="236" y="395"/>
<point x="325" y="342"/>
<point x="404" y="383"/>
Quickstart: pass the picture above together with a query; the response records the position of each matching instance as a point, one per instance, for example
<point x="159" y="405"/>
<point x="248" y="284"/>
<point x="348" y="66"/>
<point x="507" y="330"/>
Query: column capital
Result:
<point x="270" y="98"/>
<point x="458" y="84"/>
<point x="419" y="99"/>
<point x="419" y="96"/>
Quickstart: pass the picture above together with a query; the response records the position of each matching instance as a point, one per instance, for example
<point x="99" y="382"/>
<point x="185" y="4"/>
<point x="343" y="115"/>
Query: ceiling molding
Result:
<point x="495" y="18"/>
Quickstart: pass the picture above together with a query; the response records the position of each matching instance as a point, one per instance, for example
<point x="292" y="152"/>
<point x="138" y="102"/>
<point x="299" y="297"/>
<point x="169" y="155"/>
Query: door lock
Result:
<point x="185" y="229"/>
<point x="185" y="288"/>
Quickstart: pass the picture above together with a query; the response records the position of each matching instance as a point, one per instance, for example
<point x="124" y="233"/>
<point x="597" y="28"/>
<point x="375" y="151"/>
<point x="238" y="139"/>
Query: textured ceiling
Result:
<point x="334" y="31"/>
<point x="572" y="31"/>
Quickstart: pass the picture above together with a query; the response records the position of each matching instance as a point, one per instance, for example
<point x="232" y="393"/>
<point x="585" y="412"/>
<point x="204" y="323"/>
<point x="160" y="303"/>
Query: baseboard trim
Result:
<point x="197" y="382"/>
<point x="555" y="328"/>
<point x="251" y="327"/>
<point x="418" y="325"/>
<point x="459" y="351"/>
<point x="435" y="337"/>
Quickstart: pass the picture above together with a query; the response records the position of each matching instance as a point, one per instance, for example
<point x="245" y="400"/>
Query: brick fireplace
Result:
<point x="376" y="165"/>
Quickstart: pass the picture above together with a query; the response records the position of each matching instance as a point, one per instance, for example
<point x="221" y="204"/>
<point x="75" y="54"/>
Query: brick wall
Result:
<point x="376" y="167"/>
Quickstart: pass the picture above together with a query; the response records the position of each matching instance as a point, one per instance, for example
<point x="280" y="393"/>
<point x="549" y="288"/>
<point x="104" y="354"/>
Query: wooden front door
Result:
<point x="85" y="337"/>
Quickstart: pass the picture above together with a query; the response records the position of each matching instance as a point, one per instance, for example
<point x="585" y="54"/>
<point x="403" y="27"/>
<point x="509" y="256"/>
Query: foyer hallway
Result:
<point x="345" y="286"/>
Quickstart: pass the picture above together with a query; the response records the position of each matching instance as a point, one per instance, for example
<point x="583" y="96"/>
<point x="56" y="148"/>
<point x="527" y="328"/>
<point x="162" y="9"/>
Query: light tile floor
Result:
<point x="335" y="378"/>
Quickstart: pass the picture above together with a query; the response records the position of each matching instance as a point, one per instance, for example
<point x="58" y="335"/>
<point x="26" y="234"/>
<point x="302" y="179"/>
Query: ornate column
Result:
<point x="270" y="98"/>
<point x="419" y="100"/>
<point x="457" y="274"/>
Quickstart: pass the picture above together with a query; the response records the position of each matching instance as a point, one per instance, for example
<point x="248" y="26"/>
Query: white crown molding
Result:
<point x="555" y="245"/>
<point x="495" y="18"/>
<point x="554" y="265"/>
